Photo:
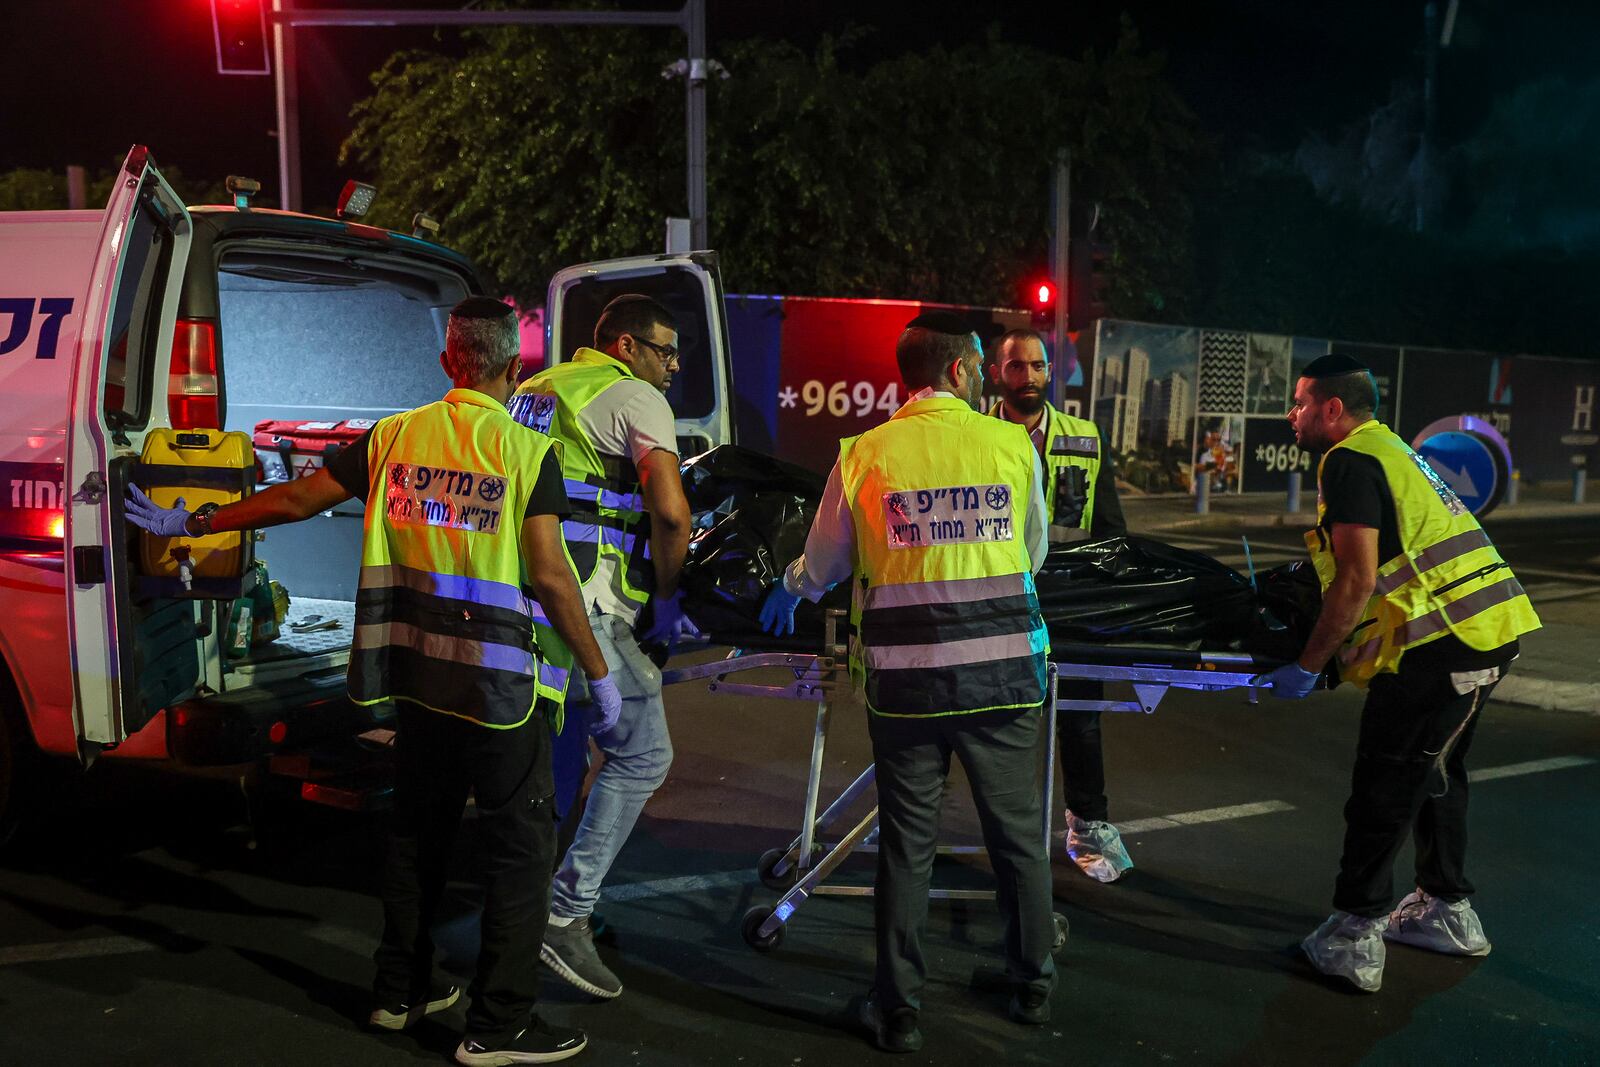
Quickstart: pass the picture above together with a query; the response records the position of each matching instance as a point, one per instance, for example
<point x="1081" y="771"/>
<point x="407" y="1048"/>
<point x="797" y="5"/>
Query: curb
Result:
<point x="1306" y="519"/>
<point x="1549" y="694"/>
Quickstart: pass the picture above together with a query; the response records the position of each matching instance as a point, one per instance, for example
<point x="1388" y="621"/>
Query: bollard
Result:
<point x="1294" y="492"/>
<point x="1514" y="489"/>
<point x="1580" y="482"/>
<point x="1202" y="494"/>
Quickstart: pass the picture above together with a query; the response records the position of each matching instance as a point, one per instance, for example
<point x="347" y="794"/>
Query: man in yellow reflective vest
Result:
<point x="1080" y="499"/>
<point x="939" y="513"/>
<point x="1420" y="610"/>
<point x="628" y="537"/>
<point x="463" y="522"/>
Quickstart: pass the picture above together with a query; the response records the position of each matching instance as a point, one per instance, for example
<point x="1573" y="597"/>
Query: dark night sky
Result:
<point x="80" y="80"/>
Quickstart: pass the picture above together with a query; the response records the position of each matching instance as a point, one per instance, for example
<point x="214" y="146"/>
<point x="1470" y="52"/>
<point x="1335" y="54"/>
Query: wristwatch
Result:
<point x="200" y="521"/>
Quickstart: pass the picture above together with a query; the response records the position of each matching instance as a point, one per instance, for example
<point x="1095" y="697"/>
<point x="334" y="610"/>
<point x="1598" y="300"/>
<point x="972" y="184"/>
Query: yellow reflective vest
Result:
<point x="947" y="619"/>
<point x="608" y="517"/>
<point x="443" y="618"/>
<point x="1447" y="579"/>
<point x="1071" y="471"/>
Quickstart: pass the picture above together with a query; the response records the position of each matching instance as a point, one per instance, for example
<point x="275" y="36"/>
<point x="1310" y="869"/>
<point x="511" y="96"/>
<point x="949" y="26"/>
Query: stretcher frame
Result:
<point x="800" y="870"/>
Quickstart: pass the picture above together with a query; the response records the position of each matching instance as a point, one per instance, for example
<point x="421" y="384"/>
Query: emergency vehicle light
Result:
<point x="241" y="189"/>
<point x="193" y="401"/>
<point x="355" y="199"/>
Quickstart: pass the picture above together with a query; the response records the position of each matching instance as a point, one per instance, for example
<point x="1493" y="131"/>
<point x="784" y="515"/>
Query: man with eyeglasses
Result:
<point x="628" y="537"/>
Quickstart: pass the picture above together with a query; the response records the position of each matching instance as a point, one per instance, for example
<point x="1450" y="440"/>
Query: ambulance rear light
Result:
<point x="193" y="400"/>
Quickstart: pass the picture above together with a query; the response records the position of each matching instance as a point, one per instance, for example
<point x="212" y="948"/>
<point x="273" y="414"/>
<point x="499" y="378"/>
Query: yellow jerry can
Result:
<point x="201" y="467"/>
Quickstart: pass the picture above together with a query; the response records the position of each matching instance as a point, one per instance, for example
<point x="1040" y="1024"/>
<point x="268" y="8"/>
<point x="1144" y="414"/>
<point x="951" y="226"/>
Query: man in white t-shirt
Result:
<point x="628" y="537"/>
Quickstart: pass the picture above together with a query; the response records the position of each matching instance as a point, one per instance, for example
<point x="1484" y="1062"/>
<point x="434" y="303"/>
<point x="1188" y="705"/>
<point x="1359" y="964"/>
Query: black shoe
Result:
<point x="405" y="1016"/>
<point x="1030" y="1006"/>
<point x="897" y="1033"/>
<point x="539" y="1043"/>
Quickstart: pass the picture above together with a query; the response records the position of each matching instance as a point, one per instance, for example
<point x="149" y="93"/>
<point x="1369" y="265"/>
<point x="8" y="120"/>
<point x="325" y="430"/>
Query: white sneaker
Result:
<point x="1438" y="926"/>
<point x="1097" y="849"/>
<point x="1349" y="947"/>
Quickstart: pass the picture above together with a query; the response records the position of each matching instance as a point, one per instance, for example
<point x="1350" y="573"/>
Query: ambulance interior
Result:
<point x="305" y="338"/>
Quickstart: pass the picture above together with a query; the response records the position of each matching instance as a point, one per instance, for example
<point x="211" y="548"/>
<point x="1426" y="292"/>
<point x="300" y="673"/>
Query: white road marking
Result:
<point x="1204" y="815"/>
<point x="72" y="950"/>
<point x="662" y="887"/>
<point x="1548" y="572"/>
<point x="1511" y="770"/>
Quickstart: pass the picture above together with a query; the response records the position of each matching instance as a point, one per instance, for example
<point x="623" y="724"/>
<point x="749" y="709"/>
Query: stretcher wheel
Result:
<point x="1061" y="932"/>
<point x="750" y="927"/>
<point x="768" y="863"/>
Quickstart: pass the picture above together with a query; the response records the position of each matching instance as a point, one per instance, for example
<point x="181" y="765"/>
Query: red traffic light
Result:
<point x="239" y="28"/>
<point x="1044" y="294"/>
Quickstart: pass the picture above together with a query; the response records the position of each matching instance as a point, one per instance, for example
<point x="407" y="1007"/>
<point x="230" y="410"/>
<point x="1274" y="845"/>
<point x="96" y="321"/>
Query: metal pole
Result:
<point x="1580" y="482"/>
<point x="1202" y="493"/>
<point x="695" y="87"/>
<point x="1514" y="489"/>
<point x="1294" y="492"/>
<point x="1060" y="260"/>
<point x="288" y="93"/>
<point x="77" y="185"/>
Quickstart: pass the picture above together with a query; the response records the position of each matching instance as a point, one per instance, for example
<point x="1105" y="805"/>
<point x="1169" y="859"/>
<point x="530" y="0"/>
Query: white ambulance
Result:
<point x="115" y="325"/>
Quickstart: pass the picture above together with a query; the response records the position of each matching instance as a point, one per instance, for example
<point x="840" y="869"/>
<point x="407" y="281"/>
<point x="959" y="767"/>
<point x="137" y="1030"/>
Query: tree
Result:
<point x="829" y="172"/>
<point x="28" y="189"/>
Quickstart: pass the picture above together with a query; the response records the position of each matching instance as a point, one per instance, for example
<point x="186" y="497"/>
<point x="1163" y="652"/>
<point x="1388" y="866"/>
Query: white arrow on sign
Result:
<point x="1460" y="481"/>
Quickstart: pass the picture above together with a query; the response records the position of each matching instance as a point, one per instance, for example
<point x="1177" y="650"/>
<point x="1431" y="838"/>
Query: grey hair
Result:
<point x="481" y="338"/>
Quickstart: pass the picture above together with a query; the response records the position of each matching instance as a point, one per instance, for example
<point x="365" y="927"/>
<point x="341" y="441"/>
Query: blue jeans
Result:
<point x="638" y="753"/>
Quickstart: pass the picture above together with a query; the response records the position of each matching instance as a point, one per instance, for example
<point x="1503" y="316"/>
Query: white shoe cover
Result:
<point x="1349" y="947"/>
<point x="1097" y="849"/>
<point x="1438" y="926"/>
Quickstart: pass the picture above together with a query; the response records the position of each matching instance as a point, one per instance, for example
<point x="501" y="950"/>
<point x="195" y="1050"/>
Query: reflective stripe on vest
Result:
<point x="604" y="490"/>
<point x="441" y="616"/>
<point x="1071" y="471"/>
<point x="947" y="618"/>
<point x="1447" y="579"/>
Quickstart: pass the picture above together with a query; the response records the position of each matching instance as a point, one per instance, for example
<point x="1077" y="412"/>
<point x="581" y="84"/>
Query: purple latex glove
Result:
<point x="607" y="703"/>
<point x="148" y="515"/>
<point x="1289" y="682"/>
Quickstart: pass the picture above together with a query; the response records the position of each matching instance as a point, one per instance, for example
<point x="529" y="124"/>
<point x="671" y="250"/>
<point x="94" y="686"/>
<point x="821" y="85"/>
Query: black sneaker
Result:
<point x="569" y="951"/>
<point x="897" y="1033"/>
<point x="539" y="1043"/>
<point x="404" y="1016"/>
<point x="1030" y="1006"/>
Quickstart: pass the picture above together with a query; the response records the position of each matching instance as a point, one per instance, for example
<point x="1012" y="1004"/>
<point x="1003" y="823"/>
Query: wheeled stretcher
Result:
<point x="800" y="870"/>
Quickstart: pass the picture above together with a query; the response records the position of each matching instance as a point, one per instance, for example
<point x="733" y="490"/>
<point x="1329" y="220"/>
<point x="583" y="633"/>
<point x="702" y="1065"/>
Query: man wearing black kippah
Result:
<point x="939" y="514"/>
<point x="1420" y="610"/>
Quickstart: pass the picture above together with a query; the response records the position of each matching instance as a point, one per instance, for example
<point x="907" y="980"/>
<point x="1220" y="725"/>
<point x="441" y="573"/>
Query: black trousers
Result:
<point x="1410" y="777"/>
<point x="440" y="758"/>
<point x="1083" y="761"/>
<point x="1000" y="753"/>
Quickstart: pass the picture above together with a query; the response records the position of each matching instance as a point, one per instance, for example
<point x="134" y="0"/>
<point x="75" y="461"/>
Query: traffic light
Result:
<point x="1090" y="262"/>
<point x="240" y="29"/>
<point x="1040" y="298"/>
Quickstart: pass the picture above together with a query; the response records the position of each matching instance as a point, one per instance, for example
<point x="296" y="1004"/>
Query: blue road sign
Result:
<point x="1467" y="464"/>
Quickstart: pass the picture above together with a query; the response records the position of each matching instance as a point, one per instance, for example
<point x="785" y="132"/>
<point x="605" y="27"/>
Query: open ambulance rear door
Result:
<point x="690" y="286"/>
<point x="118" y="394"/>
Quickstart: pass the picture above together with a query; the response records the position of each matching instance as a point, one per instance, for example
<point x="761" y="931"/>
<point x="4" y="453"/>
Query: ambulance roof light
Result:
<point x="355" y="199"/>
<point x="424" y="226"/>
<point x="241" y="189"/>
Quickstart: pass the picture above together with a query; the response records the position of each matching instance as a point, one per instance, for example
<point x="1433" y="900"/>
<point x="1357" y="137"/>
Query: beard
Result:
<point x="1022" y="403"/>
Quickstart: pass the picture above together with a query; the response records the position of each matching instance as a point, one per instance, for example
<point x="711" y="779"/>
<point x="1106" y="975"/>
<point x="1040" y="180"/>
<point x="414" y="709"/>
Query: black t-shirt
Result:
<point x="1354" y="490"/>
<point x="549" y="497"/>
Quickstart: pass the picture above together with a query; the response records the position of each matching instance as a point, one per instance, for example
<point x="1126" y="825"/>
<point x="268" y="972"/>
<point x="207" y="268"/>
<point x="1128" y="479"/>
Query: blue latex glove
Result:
<point x="671" y="625"/>
<point x="148" y="515"/>
<point x="1289" y="682"/>
<point x="777" y="611"/>
<point x="607" y="703"/>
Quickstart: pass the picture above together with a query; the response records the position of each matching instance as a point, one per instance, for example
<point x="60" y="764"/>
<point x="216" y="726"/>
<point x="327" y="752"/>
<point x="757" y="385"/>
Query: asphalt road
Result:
<point x="147" y="923"/>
